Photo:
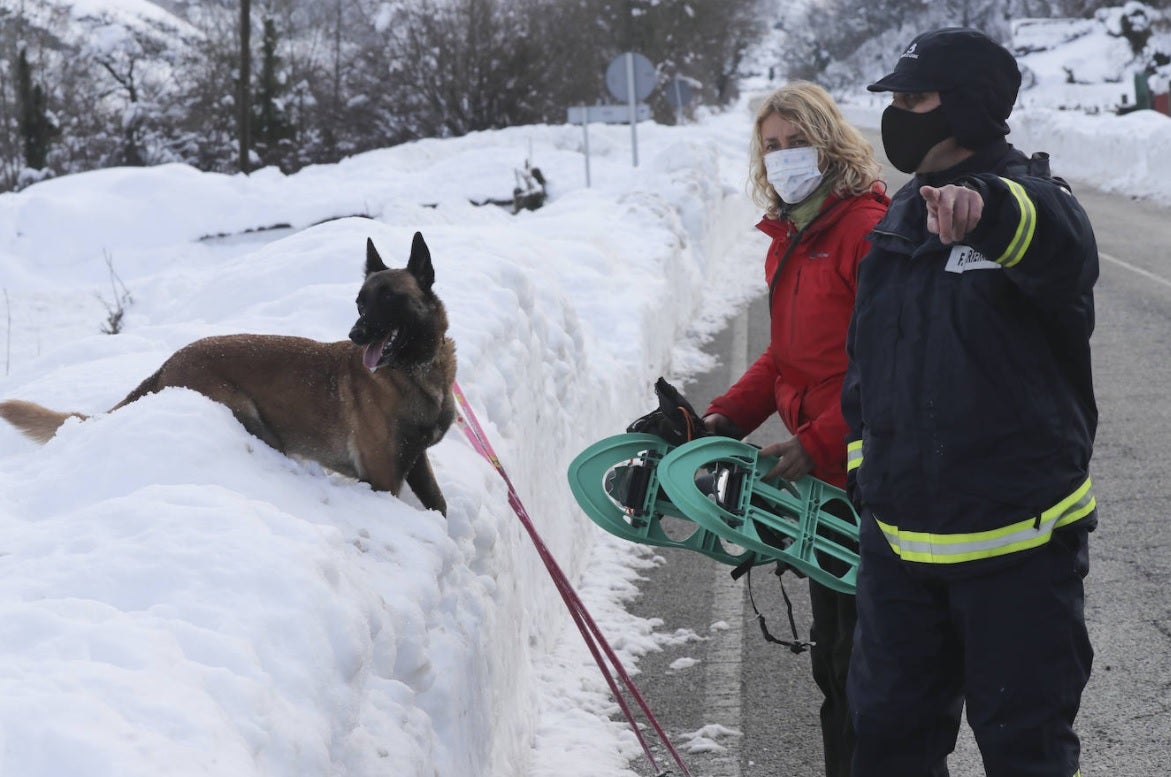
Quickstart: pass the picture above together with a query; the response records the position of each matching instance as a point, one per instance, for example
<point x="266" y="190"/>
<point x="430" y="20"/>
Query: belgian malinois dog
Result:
<point x="367" y="408"/>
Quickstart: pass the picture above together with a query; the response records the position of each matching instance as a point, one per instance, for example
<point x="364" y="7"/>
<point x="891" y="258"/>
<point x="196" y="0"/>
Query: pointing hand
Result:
<point x="952" y="211"/>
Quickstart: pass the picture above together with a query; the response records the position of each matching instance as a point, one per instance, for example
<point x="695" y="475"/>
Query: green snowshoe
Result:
<point x="629" y="483"/>
<point x="807" y="524"/>
<point x="616" y="482"/>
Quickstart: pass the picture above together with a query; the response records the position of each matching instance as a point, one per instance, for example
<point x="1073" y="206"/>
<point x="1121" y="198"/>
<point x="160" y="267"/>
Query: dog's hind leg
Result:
<point x="248" y="414"/>
<point x="39" y="423"/>
<point x="421" y="479"/>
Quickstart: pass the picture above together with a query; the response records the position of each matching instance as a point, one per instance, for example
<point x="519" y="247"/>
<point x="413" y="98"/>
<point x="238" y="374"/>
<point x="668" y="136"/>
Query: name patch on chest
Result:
<point x="964" y="258"/>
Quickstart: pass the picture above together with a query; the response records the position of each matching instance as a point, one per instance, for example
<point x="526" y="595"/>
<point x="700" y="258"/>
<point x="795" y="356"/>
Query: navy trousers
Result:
<point x="1009" y="642"/>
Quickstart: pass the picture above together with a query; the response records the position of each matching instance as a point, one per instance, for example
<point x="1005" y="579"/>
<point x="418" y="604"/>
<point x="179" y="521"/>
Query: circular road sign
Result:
<point x="644" y="77"/>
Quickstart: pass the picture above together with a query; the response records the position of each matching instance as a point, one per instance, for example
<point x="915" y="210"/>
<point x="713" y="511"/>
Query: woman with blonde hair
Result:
<point x="817" y="180"/>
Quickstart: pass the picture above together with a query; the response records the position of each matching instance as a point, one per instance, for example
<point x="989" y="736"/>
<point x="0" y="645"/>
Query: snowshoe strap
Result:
<point x="795" y="645"/>
<point x="744" y="568"/>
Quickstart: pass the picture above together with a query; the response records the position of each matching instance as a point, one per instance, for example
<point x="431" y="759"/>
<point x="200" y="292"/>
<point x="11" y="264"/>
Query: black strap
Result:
<point x="795" y="645"/>
<point x="772" y="284"/>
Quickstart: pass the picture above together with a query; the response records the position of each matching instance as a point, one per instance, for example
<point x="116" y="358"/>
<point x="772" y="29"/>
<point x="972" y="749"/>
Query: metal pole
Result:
<point x="678" y="102"/>
<point x="633" y="106"/>
<point x="585" y="134"/>
<point x="244" y="97"/>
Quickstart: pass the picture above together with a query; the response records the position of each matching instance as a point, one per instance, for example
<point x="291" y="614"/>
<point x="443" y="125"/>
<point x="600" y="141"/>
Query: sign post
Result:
<point x="585" y="140"/>
<point x="680" y="93"/>
<point x="607" y="114"/>
<point x="630" y="78"/>
<point x="629" y="56"/>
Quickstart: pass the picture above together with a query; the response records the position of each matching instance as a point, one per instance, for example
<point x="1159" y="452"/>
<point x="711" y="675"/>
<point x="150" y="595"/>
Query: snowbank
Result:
<point x="178" y="598"/>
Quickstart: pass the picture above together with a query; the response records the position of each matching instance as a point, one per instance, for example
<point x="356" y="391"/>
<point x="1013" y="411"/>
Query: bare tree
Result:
<point x="343" y="76"/>
<point x="705" y="40"/>
<point x="133" y="88"/>
<point x="462" y="65"/>
<point x="206" y="128"/>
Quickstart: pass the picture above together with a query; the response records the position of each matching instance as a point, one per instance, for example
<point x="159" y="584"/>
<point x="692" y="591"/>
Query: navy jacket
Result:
<point x="968" y="391"/>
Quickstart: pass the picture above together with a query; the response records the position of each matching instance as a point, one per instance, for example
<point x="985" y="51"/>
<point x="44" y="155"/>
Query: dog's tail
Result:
<point x="39" y="423"/>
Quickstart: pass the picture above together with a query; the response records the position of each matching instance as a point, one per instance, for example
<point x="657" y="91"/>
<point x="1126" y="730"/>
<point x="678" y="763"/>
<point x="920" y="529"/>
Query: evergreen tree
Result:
<point x="36" y="127"/>
<point x="272" y="133"/>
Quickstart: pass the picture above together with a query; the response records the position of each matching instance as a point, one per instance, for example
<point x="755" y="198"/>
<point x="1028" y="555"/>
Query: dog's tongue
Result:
<point x="373" y="353"/>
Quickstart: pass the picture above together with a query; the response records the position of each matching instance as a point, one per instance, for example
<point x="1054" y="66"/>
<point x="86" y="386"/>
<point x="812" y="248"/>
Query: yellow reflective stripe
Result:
<point x="1023" y="237"/>
<point x="853" y="455"/>
<point x="930" y="548"/>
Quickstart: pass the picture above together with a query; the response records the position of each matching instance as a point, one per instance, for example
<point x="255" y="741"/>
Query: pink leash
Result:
<point x="585" y="623"/>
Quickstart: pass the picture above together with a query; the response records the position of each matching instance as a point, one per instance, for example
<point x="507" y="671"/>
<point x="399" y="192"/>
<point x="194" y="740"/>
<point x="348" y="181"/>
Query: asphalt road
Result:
<point x="754" y="704"/>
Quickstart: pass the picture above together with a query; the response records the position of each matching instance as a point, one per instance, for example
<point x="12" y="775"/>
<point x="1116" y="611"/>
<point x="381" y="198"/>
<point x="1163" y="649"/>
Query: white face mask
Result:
<point x="793" y="172"/>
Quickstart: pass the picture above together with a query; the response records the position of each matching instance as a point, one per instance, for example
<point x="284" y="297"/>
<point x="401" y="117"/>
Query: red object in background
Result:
<point x="1161" y="103"/>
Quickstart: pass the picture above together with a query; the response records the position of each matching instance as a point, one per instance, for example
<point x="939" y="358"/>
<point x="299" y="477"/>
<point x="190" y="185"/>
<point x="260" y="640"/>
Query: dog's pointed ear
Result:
<point x="374" y="262"/>
<point x="419" y="265"/>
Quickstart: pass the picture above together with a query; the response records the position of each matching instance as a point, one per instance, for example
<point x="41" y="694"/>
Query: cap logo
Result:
<point x="910" y="52"/>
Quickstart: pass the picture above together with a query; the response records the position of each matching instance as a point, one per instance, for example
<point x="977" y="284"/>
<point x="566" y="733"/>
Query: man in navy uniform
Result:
<point x="972" y="416"/>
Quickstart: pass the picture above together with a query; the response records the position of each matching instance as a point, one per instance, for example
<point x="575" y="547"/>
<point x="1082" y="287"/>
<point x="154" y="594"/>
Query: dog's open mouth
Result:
<point x="382" y="351"/>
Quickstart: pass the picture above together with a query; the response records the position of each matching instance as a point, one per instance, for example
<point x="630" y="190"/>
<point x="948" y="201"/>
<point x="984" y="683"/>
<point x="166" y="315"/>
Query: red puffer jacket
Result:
<point x="800" y="375"/>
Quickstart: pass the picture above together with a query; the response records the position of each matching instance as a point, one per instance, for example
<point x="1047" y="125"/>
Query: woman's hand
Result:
<point x="795" y="461"/>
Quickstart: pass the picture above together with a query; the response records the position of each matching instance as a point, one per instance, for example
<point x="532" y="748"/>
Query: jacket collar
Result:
<point x="987" y="159"/>
<point x="783" y="227"/>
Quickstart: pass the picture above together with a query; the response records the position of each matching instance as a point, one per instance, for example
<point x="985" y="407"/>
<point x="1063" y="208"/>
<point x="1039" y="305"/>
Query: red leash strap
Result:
<point x="585" y="623"/>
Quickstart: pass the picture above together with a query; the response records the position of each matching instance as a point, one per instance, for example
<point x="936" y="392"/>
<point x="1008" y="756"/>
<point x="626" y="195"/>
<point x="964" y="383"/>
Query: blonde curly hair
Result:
<point x="844" y="156"/>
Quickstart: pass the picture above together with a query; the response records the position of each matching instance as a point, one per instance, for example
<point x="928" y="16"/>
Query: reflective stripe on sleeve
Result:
<point x="1023" y="237"/>
<point x="930" y="548"/>
<point x="853" y="455"/>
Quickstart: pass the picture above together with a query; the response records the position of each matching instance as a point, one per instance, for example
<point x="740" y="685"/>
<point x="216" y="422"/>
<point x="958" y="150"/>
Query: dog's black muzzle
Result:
<point x="360" y="333"/>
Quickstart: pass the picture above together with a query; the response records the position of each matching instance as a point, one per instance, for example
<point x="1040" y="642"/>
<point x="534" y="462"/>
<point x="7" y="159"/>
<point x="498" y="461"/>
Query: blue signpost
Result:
<point x="630" y="78"/>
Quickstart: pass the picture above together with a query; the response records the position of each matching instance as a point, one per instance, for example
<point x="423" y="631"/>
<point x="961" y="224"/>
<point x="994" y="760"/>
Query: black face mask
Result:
<point x="908" y="136"/>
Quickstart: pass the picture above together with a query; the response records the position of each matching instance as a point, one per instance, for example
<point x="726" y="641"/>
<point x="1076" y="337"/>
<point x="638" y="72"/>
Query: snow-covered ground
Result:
<point x="177" y="598"/>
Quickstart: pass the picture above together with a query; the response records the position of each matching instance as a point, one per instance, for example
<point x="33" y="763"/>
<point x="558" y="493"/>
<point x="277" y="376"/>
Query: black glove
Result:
<point x="724" y="427"/>
<point x="675" y="420"/>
